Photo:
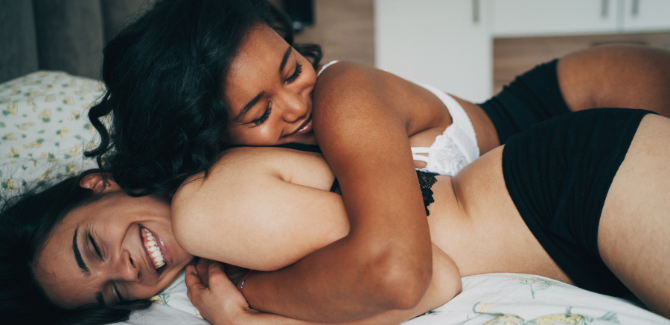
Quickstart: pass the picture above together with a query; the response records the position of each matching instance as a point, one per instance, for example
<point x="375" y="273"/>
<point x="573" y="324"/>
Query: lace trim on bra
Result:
<point x="426" y="181"/>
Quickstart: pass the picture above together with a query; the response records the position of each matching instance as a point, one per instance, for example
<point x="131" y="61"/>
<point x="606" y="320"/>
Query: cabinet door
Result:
<point x="511" y="18"/>
<point x="646" y="15"/>
<point x="442" y="43"/>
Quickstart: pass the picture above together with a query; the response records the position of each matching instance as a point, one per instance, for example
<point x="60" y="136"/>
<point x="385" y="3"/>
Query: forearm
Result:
<point x="445" y="284"/>
<point x="384" y="263"/>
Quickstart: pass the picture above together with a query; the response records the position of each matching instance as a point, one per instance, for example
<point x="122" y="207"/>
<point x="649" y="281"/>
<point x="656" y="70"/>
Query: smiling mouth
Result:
<point x="154" y="249"/>
<point x="305" y="128"/>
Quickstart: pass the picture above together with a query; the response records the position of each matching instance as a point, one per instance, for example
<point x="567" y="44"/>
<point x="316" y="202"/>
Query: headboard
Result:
<point x="62" y="35"/>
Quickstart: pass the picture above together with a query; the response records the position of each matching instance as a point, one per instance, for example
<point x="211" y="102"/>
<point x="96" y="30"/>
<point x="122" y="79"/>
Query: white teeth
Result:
<point x="153" y="249"/>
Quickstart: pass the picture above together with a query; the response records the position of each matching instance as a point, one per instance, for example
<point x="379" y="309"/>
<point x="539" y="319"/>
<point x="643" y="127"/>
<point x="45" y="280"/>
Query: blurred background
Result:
<point x="469" y="48"/>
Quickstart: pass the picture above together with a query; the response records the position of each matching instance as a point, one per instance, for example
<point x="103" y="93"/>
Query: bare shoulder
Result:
<point x="347" y="77"/>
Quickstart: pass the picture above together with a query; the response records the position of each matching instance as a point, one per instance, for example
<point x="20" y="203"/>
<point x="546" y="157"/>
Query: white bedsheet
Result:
<point x="488" y="299"/>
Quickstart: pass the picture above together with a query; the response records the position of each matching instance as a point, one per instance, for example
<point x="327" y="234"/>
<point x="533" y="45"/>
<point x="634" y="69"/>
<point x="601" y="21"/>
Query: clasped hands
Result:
<point x="212" y="290"/>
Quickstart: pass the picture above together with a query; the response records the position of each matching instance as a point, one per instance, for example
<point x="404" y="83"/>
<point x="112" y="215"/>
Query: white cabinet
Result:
<point x="513" y="18"/>
<point x="645" y="15"/>
<point x="446" y="44"/>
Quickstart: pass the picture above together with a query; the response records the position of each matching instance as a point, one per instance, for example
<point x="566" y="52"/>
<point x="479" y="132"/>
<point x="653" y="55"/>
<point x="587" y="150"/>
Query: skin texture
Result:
<point x="406" y="261"/>
<point x="585" y="82"/>
<point x="475" y="205"/>
<point x="283" y="102"/>
<point x="363" y="123"/>
<point x="113" y="221"/>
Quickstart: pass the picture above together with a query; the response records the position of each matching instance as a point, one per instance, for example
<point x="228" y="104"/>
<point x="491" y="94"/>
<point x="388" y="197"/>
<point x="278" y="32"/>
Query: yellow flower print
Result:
<point x="13" y="153"/>
<point x="506" y="320"/>
<point x="46" y="114"/>
<point x="63" y="132"/>
<point x="32" y="145"/>
<point x="50" y="156"/>
<point x="31" y="105"/>
<point x="83" y="92"/>
<point x="45" y="176"/>
<point x="43" y="74"/>
<point x="74" y="115"/>
<point x="47" y="87"/>
<point x="481" y="308"/>
<point x="71" y="168"/>
<point x="35" y="94"/>
<point x="69" y="101"/>
<point x="51" y="98"/>
<point x="35" y="163"/>
<point x="559" y="319"/>
<point x="91" y="129"/>
<point x="4" y="100"/>
<point x="25" y="126"/>
<point x="156" y="299"/>
<point x="12" y="108"/>
<point x="74" y="151"/>
<point x="60" y="77"/>
<point x="70" y="84"/>
<point x="16" y="91"/>
<point x="9" y="136"/>
<point x="8" y="184"/>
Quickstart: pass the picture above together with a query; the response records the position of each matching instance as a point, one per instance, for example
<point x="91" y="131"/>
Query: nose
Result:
<point x="294" y="106"/>
<point x="125" y="268"/>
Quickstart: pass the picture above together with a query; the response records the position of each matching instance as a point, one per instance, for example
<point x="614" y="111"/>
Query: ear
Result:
<point x="98" y="183"/>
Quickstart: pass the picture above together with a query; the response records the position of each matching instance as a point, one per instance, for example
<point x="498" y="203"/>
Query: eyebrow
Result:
<point x="77" y="255"/>
<point x="83" y="267"/>
<point x="253" y="102"/>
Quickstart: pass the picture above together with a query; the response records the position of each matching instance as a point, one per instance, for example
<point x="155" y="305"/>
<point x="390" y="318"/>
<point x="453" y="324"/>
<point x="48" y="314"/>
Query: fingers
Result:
<point x="217" y="276"/>
<point x="193" y="283"/>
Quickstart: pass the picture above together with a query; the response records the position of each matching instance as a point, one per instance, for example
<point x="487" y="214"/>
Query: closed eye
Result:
<point x="95" y="246"/>
<point x="296" y="73"/>
<point x="117" y="293"/>
<point x="264" y="117"/>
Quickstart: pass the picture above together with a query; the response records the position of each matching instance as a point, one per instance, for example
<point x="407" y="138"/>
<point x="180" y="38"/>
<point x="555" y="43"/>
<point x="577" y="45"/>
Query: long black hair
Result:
<point x="26" y="222"/>
<point x="164" y="76"/>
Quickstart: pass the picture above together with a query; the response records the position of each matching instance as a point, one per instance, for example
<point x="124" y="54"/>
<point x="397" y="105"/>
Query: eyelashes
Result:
<point x="268" y="110"/>
<point x="264" y="117"/>
<point x="296" y="74"/>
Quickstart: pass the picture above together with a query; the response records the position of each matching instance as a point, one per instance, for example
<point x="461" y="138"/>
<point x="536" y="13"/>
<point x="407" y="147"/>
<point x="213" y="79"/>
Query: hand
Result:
<point x="218" y="301"/>
<point x="234" y="273"/>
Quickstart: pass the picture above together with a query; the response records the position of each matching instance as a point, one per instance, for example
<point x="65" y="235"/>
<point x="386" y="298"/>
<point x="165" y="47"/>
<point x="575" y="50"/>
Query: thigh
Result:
<point x="616" y="76"/>
<point x="634" y="230"/>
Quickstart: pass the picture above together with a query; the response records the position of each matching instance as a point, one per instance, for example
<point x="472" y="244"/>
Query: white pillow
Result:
<point x="44" y="128"/>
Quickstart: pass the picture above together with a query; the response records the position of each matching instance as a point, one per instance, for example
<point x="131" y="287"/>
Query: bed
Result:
<point x="44" y="131"/>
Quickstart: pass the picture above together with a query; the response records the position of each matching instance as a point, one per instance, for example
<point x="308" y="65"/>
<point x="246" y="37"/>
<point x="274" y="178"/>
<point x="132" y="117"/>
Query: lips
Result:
<point x="305" y="127"/>
<point x="155" y="251"/>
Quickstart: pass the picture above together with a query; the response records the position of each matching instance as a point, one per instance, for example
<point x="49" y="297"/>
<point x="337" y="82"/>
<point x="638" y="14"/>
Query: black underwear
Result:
<point x="558" y="174"/>
<point x="532" y="97"/>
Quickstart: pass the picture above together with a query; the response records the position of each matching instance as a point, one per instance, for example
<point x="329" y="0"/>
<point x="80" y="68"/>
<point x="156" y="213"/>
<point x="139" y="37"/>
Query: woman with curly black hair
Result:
<point x="192" y="78"/>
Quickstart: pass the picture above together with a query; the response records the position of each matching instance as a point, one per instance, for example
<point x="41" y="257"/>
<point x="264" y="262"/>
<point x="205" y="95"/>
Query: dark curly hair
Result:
<point x="164" y="76"/>
<point x="26" y="222"/>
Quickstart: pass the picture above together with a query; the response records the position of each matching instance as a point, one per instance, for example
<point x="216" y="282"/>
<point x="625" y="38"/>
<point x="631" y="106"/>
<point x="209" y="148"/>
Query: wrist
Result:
<point x="240" y="286"/>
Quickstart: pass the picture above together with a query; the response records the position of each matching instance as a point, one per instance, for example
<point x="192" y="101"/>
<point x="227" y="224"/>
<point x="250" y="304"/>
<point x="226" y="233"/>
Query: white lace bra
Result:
<point x="455" y="148"/>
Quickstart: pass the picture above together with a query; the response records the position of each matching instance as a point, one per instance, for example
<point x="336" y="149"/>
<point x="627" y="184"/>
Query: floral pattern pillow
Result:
<point x="44" y="128"/>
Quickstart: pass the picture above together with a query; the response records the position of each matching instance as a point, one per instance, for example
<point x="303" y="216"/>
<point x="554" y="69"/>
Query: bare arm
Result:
<point x="384" y="262"/>
<point x="221" y="303"/>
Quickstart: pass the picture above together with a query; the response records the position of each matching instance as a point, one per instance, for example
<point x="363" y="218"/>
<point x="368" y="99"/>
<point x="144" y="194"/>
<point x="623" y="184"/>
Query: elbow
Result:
<point x="401" y="283"/>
